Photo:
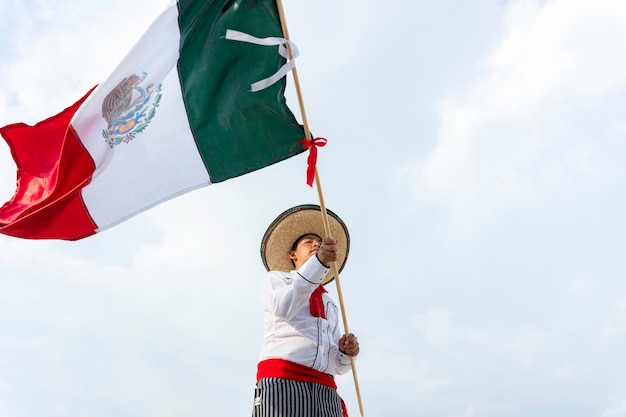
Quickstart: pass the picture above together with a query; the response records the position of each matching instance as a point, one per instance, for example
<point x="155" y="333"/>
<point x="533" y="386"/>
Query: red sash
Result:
<point x="281" y="368"/>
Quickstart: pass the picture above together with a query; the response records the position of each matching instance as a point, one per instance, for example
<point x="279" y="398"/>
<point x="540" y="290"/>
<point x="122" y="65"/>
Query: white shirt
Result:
<point x="291" y="332"/>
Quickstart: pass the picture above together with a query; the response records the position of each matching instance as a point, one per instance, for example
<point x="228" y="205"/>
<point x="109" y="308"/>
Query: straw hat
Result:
<point x="292" y="224"/>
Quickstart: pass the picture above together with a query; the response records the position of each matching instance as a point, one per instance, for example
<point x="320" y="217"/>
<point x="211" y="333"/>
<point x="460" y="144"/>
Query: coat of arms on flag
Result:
<point x="127" y="109"/>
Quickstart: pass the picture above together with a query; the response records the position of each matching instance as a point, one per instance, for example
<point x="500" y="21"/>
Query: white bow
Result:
<point x="271" y="41"/>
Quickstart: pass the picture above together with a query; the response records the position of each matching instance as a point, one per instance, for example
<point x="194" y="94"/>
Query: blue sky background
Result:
<point x="476" y="152"/>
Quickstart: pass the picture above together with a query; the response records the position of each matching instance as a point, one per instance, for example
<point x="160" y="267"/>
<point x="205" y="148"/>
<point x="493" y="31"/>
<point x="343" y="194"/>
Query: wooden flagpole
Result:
<point x="325" y="221"/>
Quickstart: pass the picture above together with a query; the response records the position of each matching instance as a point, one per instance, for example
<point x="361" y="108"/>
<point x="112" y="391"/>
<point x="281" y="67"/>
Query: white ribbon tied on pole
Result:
<point x="235" y="35"/>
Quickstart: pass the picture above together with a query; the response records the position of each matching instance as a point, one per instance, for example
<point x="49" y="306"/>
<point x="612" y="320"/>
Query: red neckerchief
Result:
<point x="316" y="302"/>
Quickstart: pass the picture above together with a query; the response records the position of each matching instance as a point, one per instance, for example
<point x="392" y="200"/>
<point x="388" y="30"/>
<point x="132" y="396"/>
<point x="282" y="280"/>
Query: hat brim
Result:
<point x="292" y="224"/>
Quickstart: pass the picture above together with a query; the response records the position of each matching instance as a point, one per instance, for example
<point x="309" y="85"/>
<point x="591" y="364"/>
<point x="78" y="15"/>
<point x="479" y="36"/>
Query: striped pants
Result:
<point x="277" y="397"/>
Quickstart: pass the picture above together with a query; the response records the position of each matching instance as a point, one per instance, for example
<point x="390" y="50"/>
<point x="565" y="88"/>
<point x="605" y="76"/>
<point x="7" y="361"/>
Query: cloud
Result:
<point x="554" y="56"/>
<point x="615" y="325"/>
<point x="438" y="328"/>
<point x="617" y="410"/>
<point x="470" y="315"/>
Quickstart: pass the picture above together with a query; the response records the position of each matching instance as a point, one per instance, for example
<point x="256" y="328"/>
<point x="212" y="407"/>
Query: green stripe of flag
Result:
<point x="236" y="131"/>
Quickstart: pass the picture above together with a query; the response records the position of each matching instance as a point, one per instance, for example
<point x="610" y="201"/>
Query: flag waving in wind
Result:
<point x="175" y="115"/>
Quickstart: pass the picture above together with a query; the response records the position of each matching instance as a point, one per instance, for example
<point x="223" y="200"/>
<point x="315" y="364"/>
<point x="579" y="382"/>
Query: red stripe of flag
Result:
<point x="53" y="167"/>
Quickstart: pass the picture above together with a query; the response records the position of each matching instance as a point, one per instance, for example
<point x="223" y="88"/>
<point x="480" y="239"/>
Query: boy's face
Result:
<point x="306" y="246"/>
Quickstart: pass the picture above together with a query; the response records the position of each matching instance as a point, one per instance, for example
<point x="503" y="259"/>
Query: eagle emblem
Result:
<point x="128" y="109"/>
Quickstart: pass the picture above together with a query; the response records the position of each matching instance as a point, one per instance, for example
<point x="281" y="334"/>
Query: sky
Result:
<point x="476" y="153"/>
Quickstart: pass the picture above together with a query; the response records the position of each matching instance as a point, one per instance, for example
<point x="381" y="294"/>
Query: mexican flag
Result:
<point x="176" y="114"/>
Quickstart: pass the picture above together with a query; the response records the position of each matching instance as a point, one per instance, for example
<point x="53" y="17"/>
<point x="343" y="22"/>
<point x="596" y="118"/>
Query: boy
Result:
<point x="303" y="347"/>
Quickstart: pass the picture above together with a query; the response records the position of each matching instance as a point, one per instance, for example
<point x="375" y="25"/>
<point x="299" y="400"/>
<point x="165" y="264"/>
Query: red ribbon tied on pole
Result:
<point x="312" y="159"/>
